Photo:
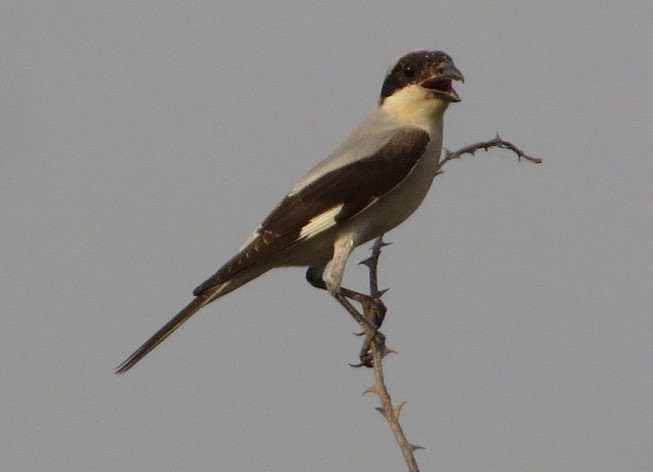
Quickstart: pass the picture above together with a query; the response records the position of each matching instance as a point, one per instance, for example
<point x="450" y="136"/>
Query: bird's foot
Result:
<point x="374" y="311"/>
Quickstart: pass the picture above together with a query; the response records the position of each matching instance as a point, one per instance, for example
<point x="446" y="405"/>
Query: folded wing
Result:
<point x="333" y="198"/>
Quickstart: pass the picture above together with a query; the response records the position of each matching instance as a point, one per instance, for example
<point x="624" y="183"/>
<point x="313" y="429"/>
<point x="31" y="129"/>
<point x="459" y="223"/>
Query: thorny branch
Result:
<point x="378" y="350"/>
<point x="374" y="348"/>
<point x="485" y="146"/>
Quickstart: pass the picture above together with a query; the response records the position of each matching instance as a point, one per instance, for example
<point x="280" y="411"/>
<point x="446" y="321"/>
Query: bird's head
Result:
<point x="421" y="81"/>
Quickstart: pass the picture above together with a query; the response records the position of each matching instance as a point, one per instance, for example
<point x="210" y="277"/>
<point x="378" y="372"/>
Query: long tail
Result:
<point x="157" y="338"/>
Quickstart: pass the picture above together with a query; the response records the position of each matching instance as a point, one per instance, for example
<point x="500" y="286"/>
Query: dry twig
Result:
<point x="379" y="350"/>
<point x="485" y="146"/>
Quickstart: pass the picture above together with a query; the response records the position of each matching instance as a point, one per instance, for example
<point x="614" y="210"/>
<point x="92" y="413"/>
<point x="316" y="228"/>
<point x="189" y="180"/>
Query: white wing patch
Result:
<point x="321" y="222"/>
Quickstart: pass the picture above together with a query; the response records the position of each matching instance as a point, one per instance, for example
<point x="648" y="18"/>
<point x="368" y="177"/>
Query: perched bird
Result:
<point x="369" y="185"/>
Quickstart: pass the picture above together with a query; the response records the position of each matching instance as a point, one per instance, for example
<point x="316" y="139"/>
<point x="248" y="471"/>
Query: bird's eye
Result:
<point x="409" y="72"/>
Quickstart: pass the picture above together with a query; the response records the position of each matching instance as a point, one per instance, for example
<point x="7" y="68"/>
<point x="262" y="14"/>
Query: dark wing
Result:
<point x="354" y="186"/>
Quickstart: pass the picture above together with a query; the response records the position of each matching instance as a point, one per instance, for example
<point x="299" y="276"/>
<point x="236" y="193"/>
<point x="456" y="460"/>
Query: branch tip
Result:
<point x="486" y="145"/>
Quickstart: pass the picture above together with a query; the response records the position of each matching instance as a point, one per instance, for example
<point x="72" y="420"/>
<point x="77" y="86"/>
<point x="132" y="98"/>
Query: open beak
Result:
<point x="440" y="84"/>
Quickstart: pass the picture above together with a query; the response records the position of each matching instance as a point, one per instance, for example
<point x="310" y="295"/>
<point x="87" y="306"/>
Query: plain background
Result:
<point x="141" y="142"/>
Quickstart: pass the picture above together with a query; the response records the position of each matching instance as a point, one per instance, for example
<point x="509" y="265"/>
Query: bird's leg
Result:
<point x="373" y="308"/>
<point x="368" y="329"/>
<point x="314" y="277"/>
<point x="371" y="332"/>
<point x="330" y="278"/>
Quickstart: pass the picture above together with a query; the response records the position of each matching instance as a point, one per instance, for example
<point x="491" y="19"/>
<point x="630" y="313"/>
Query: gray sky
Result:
<point x="141" y="142"/>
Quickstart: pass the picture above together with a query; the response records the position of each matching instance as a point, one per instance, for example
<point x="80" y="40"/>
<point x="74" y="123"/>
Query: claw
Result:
<point x="366" y="358"/>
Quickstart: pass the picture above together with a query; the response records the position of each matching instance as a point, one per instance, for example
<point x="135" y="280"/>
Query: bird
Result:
<point x="369" y="185"/>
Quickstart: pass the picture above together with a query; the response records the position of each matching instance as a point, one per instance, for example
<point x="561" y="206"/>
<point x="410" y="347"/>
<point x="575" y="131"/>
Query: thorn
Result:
<point x="382" y="243"/>
<point x="381" y="292"/>
<point x="380" y="410"/>
<point x="396" y="409"/>
<point x="414" y="447"/>
<point x="498" y="138"/>
<point x="372" y="389"/>
<point x="367" y="262"/>
<point x="386" y="350"/>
